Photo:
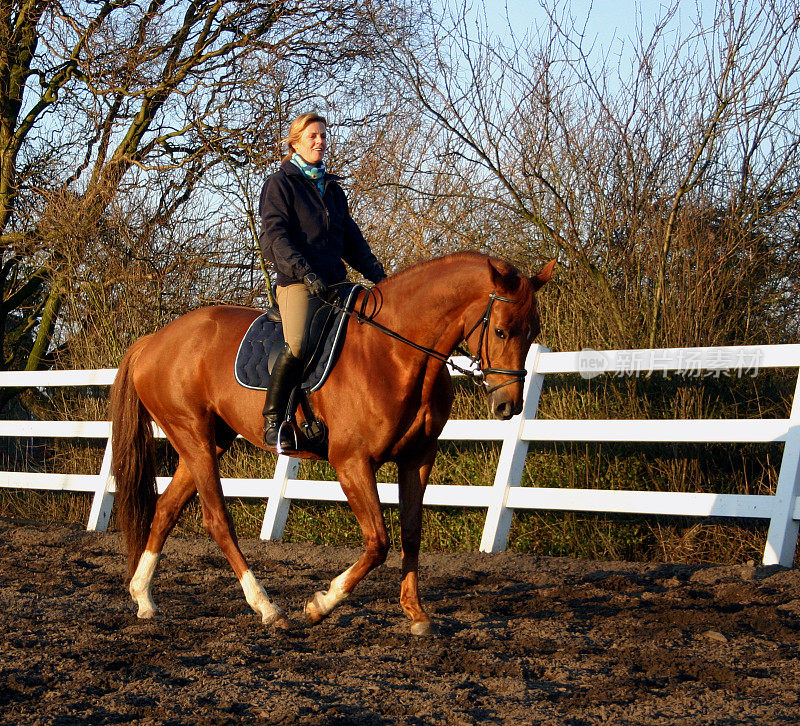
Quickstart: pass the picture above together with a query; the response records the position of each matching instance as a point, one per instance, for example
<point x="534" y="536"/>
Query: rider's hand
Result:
<point x="316" y="285"/>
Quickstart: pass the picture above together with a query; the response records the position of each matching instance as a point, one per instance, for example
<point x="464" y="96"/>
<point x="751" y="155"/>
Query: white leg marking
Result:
<point x="322" y="603"/>
<point x="140" y="584"/>
<point x="258" y="599"/>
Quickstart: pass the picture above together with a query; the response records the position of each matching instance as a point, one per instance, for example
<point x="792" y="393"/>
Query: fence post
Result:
<point x="103" y="500"/>
<point x="512" y="459"/>
<point x="277" y="511"/>
<point x="783" y="527"/>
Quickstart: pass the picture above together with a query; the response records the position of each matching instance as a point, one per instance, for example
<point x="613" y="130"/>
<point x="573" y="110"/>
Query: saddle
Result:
<point x="263" y="341"/>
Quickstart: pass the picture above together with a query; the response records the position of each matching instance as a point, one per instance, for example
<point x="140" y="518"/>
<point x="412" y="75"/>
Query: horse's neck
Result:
<point x="431" y="311"/>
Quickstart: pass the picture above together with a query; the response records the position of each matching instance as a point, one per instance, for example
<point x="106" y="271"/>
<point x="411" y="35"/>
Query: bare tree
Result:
<point x="125" y="110"/>
<point x="608" y="165"/>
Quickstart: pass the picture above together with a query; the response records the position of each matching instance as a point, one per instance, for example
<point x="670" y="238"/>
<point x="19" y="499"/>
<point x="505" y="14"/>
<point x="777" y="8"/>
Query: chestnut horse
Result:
<point x="384" y="401"/>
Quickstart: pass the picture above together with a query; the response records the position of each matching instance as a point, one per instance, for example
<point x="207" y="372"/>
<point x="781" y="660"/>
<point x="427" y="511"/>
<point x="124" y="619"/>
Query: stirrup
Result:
<point x="278" y="445"/>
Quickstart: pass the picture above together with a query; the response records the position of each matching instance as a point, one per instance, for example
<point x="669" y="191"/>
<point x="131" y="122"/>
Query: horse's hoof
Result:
<point x="422" y="628"/>
<point x="147" y="613"/>
<point x="314" y="614"/>
<point x="273" y="615"/>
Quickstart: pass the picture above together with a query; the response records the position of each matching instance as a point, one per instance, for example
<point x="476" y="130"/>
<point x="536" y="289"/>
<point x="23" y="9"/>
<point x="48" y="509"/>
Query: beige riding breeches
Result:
<point x="293" y="302"/>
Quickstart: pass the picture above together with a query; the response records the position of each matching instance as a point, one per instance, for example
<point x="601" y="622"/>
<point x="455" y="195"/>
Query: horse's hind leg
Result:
<point x="412" y="477"/>
<point x="196" y="450"/>
<point x="358" y="482"/>
<point x="168" y="509"/>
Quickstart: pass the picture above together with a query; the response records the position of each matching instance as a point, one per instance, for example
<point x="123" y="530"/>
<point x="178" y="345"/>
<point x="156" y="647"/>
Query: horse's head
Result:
<point x="504" y="334"/>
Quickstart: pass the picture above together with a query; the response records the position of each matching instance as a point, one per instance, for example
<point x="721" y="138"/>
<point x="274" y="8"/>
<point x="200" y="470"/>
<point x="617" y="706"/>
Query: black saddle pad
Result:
<point x="264" y="339"/>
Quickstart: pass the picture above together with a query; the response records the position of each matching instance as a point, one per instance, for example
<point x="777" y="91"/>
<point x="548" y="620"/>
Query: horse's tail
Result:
<point x="133" y="458"/>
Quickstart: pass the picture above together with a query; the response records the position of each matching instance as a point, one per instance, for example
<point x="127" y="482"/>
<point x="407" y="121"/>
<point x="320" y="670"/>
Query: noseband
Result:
<point x="478" y="376"/>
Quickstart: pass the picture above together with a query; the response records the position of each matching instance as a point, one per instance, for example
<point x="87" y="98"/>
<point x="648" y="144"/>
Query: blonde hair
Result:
<point x="296" y="130"/>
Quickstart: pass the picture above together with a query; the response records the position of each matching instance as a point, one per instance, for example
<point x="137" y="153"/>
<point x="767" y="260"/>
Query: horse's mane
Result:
<point x="467" y="255"/>
<point x="479" y="261"/>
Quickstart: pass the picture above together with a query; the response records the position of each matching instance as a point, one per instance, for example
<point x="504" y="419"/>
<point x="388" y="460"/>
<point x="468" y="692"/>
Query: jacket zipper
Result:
<point x="321" y="199"/>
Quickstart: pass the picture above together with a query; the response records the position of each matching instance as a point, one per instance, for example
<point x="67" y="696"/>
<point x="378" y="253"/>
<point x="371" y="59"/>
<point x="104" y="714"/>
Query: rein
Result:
<point x="478" y="377"/>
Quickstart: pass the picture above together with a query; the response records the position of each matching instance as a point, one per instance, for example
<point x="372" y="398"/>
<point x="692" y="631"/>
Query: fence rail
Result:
<point x="505" y="495"/>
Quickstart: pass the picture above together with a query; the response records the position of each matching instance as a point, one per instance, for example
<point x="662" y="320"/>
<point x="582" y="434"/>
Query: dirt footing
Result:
<point x="520" y="639"/>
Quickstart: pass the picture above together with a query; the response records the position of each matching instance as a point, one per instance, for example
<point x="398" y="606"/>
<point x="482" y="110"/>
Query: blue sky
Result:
<point x="610" y="21"/>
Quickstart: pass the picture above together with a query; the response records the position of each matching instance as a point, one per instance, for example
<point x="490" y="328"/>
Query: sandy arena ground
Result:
<point x="520" y="640"/>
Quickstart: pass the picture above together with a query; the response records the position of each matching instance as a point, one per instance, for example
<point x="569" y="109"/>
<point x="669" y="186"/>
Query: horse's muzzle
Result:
<point x="503" y="406"/>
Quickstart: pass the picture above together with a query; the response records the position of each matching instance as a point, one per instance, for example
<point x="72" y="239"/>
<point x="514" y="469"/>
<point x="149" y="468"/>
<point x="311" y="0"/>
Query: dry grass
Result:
<point x="750" y="469"/>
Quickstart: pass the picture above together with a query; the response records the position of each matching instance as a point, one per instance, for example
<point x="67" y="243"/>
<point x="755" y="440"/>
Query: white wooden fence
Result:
<point x="505" y="494"/>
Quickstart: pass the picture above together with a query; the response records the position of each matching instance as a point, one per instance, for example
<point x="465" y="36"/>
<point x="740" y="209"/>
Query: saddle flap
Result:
<point x="272" y="356"/>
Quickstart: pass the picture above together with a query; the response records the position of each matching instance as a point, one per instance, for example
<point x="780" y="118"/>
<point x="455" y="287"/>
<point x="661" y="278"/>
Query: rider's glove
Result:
<point x="316" y="285"/>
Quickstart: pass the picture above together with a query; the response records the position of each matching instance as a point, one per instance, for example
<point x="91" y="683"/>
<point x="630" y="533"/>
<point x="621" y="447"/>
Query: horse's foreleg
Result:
<point x="412" y="477"/>
<point x="358" y="482"/>
<point x="170" y="504"/>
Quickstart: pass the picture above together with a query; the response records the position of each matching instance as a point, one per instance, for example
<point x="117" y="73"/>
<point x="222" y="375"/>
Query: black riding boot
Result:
<point x="285" y="376"/>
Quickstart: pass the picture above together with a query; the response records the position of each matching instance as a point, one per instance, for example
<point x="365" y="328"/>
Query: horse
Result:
<point x="386" y="399"/>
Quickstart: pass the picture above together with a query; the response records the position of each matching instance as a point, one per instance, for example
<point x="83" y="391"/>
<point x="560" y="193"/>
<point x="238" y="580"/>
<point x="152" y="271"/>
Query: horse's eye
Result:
<point x="500" y="333"/>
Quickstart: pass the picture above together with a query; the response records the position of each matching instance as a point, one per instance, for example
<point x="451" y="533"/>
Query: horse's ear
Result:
<point x="507" y="280"/>
<point x="544" y="276"/>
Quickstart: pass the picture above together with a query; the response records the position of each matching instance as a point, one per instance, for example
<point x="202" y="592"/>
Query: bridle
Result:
<point x="479" y="377"/>
<point x="478" y="372"/>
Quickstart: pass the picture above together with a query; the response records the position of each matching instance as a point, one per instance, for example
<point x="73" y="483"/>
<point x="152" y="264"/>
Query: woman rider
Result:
<point x="306" y="232"/>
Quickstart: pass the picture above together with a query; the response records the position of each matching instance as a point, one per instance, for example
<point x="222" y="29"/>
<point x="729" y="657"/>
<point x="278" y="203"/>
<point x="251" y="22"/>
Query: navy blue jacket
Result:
<point x="303" y="231"/>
